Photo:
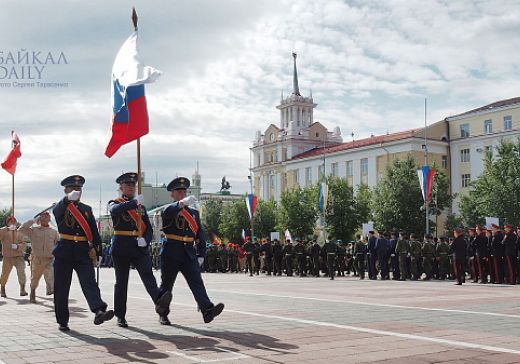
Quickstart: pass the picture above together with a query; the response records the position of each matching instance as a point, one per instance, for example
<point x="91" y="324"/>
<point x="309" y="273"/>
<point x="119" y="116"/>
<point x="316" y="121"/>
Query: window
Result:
<point x="364" y="166"/>
<point x="464" y="155"/>
<point x="350" y="168"/>
<point x="320" y="172"/>
<point x="444" y="162"/>
<point x="308" y="176"/>
<point x="488" y="126"/>
<point x="317" y="135"/>
<point x="271" y="137"/>
<point x="464" y="130"/>
<point x="297" y="176"/>
<point x="271" y="181"/>
<point x="334" y="167"/>
<point x="489" y="149"/>
<point x="466" y="178"/>
<point x="508" y="122"/>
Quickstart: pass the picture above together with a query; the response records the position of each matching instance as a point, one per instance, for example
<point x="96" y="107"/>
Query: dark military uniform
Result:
<point x="459" y="249"/>
<point x="360" y="252"/>
<point x="428" y="252"/>
<point x="315" y="256"/>
<point x="72" y="253"/>
<point x="182" y="228"/>
<point x="342" y="255"/>
<point x="278" y="257"/>
<point x="510" y="254"/>
<point x="288" y="257"/>
<point x="472" y="253"/>
<point x="331" y="249"/>
<point x="299" y="251"/>
<point x="223" y="257"/>
<point x="256" y="256"/>
<point x="497" y="249"/>
<point x="126" y="251"/>
<point x="441" y="251"/>
<point x="481" y="246"/>
<point x="415" y="257"/>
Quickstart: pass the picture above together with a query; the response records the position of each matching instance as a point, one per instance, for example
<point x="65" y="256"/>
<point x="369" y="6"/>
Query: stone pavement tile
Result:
<point x="404" y="360"/>
<point x="455" y="354"/>
<point x="499" y="358"/>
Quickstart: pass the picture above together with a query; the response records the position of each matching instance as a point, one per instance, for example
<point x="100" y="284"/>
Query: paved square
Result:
<point x="275" y="320"/>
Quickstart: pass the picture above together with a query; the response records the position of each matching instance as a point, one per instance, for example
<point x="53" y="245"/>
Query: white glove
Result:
<point x="139" y="199"/>
<point x="141" y="242"/>
<point x="200" y="260"/>
<point x="187" y="201"/>
<point x="73" y="196"/>
<point x="14" y="246"/>
<point x="12" y="227"/>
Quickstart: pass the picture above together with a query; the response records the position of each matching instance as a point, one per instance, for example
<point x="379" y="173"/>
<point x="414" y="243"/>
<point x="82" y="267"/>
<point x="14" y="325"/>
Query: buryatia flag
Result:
<point x="251" y="205"/>
<point x="324" y="195"/>
<point x="426" y="175"/>
<point x="9" y="163"/>
<point x="130" y="114"/>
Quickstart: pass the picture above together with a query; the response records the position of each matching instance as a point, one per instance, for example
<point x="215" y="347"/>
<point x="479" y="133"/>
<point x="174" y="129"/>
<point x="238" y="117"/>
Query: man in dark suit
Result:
<point x="130" y="246"/>
<point x="182" y="228"/>
<point x="79" y="237"/>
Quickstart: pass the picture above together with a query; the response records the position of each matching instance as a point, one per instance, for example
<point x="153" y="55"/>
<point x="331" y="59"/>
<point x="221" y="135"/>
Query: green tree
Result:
<point x="265" y="218"/>
<point x="211" y="217"/>
<point x="397" y="199"/>
<point x="298" y="211"/>
<point x="234" y="218"/>
<point x="4" y="213"/>
<point x="341" y="215"/>
<point x="363" y="204"/>
<point x="496" y="192"/>
<point x="452" y="222"/>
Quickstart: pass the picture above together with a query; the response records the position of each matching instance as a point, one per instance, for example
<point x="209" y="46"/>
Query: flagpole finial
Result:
<point x="134" y="17"/>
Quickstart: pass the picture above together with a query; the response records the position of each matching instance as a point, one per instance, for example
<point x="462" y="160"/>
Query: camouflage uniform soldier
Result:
<point x="428" y="251"/>
<point x="402" y="249"/>
<point x="442" y="251"/>
<point x="415" y="255"/>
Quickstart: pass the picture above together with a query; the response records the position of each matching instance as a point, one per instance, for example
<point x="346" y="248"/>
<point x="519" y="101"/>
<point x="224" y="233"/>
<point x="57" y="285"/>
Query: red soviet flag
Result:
<point x="9" y="163"/>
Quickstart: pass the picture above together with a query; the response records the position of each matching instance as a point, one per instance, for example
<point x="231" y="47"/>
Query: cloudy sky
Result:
<point x="370" y="64"/>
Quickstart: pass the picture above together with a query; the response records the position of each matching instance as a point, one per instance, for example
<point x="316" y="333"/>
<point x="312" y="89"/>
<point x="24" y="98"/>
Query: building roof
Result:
<point x="358" y="143"/>
<point x="494" y="105"/>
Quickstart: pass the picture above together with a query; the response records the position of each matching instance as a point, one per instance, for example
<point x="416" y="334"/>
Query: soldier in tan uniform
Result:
<point x="43" y="238"/>
<point x="13" y="248"/>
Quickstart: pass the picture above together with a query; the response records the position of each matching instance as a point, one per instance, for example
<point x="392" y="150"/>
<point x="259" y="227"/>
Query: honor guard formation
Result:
<point x="77" y="246"/>
<point x="485" y="256"/>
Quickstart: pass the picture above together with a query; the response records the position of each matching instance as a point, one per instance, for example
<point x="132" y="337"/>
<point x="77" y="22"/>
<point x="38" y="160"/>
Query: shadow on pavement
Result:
<point x="123" y="347"/>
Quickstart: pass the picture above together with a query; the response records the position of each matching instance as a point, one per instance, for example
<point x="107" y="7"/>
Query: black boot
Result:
<point x="163" y="303"/>
<point x="163" y="320"/>
<point x="102" y="316"/>
<point x="121" y="322"/>
<point x="212" y="312"/>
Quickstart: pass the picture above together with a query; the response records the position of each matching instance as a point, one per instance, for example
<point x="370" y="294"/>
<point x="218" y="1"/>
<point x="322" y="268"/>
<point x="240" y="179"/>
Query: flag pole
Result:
<point x="139" y="212"/>
<point x="12" y="190"/>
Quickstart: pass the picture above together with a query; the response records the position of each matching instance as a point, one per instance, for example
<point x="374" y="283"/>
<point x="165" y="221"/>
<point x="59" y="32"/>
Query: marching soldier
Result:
<point x="267" y="249"/>
<point x="43" y="239"/>
<point x="428" y="251"/>
<point x="481" y="247"/>
<point x="288" y="257"/>
<point x="402" y="250"/>
<point x="441" y="251"/>
<point x="132" y="236"/>
<point x="360" y="252"/>
<point x="331" y="249"/>
<point x="497" y="247"/>
<point x="13" y="248"/>
<point x="415" y="257"/>
<point x="315" y="256"/>
<point x="249" y="248"/>
<point x="459" y="248"/>
<point x="278" y="257"/>
<point x="472" y="252"/>
<point x="182" y="227"/>
<point x="77" y="248"/>
<point x="510" y="253"/>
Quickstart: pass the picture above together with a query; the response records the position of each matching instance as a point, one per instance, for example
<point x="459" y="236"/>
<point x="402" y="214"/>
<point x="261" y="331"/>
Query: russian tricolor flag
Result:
<point x="426" y="175"/>
<point x="251" y="205"/>
<point x="130" y="114"/>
